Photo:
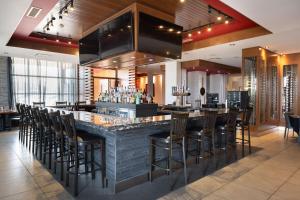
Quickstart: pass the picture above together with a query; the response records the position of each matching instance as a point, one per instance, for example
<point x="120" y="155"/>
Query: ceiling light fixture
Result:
<point x="219" y="18"/>
<point x="199" y="32"/>
<point x="182" y="1"/>
<point x="161" y="27"/>
<point x="57" y="40"/>
<point x="190" y="35"/>
<point x="209" y="28"/>
<point x="72" y="6"/>
<point x="66" y="13"/>
<point x="69" y="42"/>
<point x="170" y="30"/>
<point x="226" y="21"/>
<point x="62" y="11"/>
<point x="178" y="32"/>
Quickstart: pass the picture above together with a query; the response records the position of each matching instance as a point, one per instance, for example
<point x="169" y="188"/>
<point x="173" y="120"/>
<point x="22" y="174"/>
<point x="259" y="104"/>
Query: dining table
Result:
<point x="5" y="117"/>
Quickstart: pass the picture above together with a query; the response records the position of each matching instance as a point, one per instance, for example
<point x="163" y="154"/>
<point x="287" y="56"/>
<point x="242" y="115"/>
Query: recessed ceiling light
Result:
<point x="150" y="60"/>
<point x="69" y="42"/>
<point x="132" y="57"/>
<point x="189" y="35"/>
<point x="199" y="32"/>
<point x="226" y="22"/>
<point x="219" y="18"/>
<point x="168" y="53"/>
<point x="178" y="32"/>
<point x="128" y="26"/>
<point x="170" y="30"/>
<point x="259" y="48"/>
<point x="267" y="47"/>
<point x="209" y="29"/>
<point x="57" y="40"/>
<point x="161" y="27"/>
<point x="182" y="1"/>
<point x="114" y="61"/>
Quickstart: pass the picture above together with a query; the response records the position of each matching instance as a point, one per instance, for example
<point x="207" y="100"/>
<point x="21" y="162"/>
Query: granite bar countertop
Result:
<point x="114" y="123"/>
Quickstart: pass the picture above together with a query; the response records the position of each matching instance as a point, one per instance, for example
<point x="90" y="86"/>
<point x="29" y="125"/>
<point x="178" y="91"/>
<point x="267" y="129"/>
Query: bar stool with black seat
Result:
<point x="57" y="128"/>
<point x="21" y="121"/>
<point x="78" y="144"/>
<point x="244" y="125"/>
<point x="227" y="133"/>
<point x="27" y="125"/>
<point x="288" y="125"/>
<point x="205" y="136"/>
<point x="34" y="136"/>
<point x="36" y="113"/>
<point x="47" y="137"/>
<point x="169" y="141"/>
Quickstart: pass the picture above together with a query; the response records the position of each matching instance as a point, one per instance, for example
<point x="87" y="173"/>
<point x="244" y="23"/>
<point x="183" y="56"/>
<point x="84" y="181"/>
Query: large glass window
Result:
<point x="44" y="81"/>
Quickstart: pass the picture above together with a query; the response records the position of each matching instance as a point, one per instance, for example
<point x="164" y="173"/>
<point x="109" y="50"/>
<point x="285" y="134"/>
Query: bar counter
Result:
<point x="127" y="144"/>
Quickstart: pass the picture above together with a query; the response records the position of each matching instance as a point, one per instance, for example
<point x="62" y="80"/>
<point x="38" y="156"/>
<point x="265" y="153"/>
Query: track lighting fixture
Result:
<point x="63" y="11"/>
<point x="66" y="12"/>
<point x="72" y="6"/>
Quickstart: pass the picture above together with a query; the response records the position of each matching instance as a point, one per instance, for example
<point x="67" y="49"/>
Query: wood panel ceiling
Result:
<point x="87" y="13"/>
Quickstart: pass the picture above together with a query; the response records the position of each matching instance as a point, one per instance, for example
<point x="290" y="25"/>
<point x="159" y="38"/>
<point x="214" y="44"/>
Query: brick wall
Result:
<point x="4" y="89"/>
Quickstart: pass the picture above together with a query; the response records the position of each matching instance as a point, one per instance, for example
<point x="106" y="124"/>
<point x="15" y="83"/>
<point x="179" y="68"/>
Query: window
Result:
<point x="44" y="81"/>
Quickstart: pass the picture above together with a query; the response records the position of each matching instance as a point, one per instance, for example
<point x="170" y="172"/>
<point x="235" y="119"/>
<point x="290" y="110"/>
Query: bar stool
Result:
<point x="168" y="141"/>
<point x="244" y="124"/>
<point x="27" y="125"/>
<point x="287" y="124"/>
<point x="36" y="113"/>
<point x="57" y="128"/>
<point x="33" y="129"/>
<point x="21" y="113"/>
<point x="228" y="130"/>
<point x="78" y="144"/>
<point x="48" y="137"/>
<point x="206" y="135"/>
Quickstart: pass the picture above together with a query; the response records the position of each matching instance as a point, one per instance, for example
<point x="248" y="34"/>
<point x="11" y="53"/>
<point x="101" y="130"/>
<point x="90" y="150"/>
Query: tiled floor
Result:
<point x="21" y="176"/>
<point x="271" y="173"/>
